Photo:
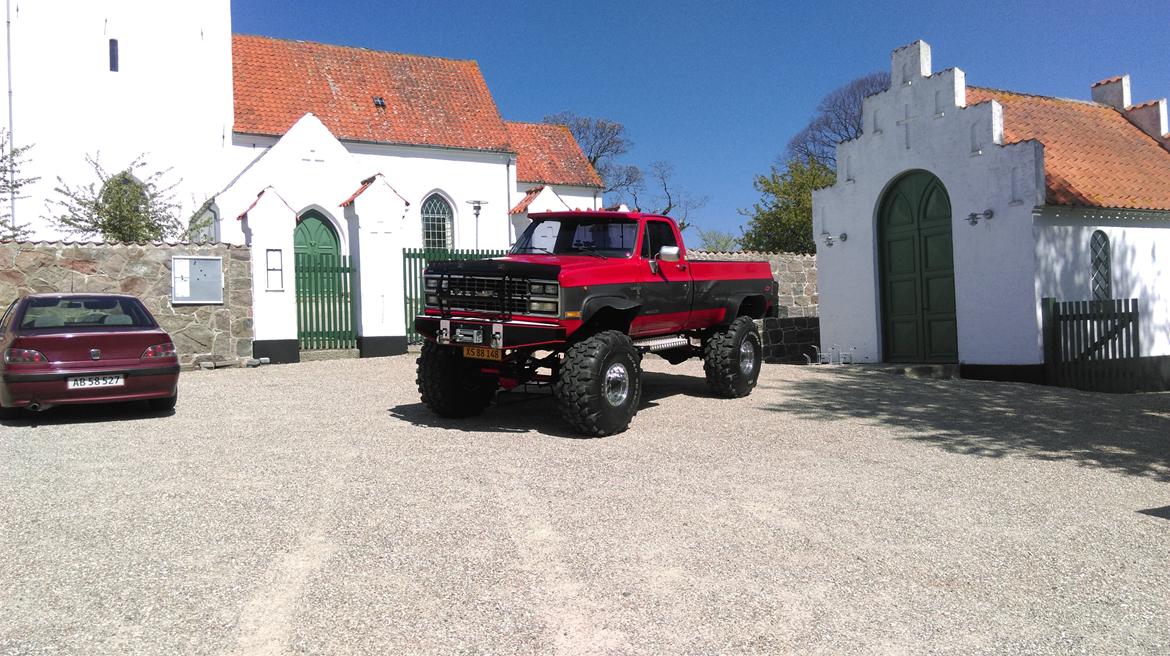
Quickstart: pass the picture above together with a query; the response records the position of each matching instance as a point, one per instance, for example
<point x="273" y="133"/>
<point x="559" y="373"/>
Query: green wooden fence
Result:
<point x="325" y="302"/>
<point x="414" y="260"/>
<point x="1093" y="345"/>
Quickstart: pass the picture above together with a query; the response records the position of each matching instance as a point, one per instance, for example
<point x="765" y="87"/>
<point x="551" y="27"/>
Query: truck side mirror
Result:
<point x="668" y="254"/>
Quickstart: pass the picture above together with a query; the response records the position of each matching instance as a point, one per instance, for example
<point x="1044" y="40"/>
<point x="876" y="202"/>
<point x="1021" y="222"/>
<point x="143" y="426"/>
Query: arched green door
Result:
<point x="314" y="238"/>
<point x="325" y="317"/>
<point x="917" y="272"/>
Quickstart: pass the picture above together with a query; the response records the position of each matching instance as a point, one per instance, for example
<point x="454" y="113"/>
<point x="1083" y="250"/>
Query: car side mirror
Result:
<point x="668" y="254"/>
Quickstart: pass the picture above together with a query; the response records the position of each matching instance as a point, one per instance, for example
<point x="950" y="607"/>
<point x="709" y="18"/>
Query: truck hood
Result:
<point x="570" y="270"/>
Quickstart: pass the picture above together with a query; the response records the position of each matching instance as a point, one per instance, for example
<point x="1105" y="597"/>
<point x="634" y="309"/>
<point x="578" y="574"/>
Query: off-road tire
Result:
<point x="451" y="386"/>
<point x="161" y="405"/>
<point x="581" y="384"/>
<point x="721" y="359"/>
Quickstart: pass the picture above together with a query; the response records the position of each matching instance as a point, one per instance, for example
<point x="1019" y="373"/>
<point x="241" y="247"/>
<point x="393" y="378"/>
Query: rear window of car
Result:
<point x="84" y="312"/>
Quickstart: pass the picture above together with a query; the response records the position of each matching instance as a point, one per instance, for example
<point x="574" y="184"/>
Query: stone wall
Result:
<point x="221" y="332"/>
<point x="795" y="274"/>
<point x="789" y="339"/>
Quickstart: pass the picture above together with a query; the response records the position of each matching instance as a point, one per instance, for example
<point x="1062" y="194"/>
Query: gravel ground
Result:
<point x="319" y="508"/>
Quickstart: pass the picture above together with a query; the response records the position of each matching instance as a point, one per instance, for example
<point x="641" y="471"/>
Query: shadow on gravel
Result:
<point x="86" y="414"/>
<point x="1126" y="433"/>
<point x="535" y="410"/>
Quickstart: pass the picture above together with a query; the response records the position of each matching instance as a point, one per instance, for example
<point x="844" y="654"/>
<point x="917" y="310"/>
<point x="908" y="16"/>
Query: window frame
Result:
<point x="448" y="219"/>
<point x="1100" y="266"/>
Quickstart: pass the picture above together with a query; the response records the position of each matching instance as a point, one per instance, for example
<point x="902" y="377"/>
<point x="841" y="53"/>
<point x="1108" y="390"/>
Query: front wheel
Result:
<point x="599" y="385"/>
<point x="731" y="359"/>
<point x="451" y="386"/>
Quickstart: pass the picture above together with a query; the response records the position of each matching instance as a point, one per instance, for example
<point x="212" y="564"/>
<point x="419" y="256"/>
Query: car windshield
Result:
<point x="605" y="237"/>
<point x="72" y="312"/>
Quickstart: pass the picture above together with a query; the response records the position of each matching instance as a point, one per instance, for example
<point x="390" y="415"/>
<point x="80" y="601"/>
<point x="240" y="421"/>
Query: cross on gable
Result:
<point x="905" y="123"/>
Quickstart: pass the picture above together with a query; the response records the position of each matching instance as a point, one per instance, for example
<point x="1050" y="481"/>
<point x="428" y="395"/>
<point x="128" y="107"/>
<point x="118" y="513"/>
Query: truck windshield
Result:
<point x="589" y="235"/>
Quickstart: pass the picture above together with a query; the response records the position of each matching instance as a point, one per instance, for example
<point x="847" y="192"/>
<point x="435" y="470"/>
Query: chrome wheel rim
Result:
<point x="617" y="384"/>
<point x="747" y="357"/>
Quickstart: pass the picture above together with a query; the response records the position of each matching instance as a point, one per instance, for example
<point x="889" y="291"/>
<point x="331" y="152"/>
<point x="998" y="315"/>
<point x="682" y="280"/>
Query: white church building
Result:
<point x="296" y="149"/>
<point x="960" y="208"/>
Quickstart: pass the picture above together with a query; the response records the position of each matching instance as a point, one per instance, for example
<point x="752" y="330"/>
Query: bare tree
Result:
<point x="837" y="119"/>
<point x="11" y="184"/>
<point x="602" y="141"/>
<point x="665" y="197"/>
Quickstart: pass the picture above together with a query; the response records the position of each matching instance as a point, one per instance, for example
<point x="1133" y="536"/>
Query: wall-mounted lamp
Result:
<point x="830" y="239"/>
<point x="974" y="217"/>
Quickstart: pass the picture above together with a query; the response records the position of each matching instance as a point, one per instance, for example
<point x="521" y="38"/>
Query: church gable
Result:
<point x="363" y="95"/>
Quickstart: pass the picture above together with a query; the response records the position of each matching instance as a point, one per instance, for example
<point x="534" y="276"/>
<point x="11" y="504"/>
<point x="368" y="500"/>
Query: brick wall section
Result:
<point x="201" y="332"/>
<point x="795" y="274"/>
<point x="789" y="339"/>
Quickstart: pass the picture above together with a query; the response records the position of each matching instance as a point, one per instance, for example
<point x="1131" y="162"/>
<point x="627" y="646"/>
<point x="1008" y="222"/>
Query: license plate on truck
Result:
<point x="112" y="380"/>
<point x="481" y="353"/>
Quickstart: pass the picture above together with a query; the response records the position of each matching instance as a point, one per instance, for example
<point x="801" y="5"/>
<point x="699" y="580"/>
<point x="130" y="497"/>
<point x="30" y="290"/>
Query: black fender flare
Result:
<point x="595" y="304"/>
<point x="731" y="309"/>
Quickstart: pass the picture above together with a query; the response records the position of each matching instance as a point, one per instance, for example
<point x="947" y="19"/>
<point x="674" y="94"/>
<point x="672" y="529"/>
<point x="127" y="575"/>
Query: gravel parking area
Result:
<point x="319" y="508"/>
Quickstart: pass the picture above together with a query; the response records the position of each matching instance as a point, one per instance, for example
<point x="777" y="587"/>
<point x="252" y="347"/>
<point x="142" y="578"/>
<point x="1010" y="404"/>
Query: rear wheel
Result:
<point x="451" y="386"/>
<point x="167" y="403"/>
<point x="599" y="385"/>
<point x="732" y="358"/>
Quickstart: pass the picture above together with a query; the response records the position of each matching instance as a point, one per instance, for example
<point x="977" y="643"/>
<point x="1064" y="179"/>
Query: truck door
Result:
<point x="667" y="293"/>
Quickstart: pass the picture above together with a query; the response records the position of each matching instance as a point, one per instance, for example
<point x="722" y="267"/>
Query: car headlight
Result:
<point x="543" y="289"/>
<point x="542" y="306"/>
<point x="432" y="299"/>
<point x="431" y="283"/>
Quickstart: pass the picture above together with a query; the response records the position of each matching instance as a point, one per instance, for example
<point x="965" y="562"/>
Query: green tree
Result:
<point x="717" y="241"/>
<point x="126" y="206"/>
<point x="782" y="219"/>
<point x="12" y="182"/>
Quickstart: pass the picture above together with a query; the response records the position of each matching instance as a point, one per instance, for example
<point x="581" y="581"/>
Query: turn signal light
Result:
<point x="24" y="356"/>
<point x="159" y="351"/>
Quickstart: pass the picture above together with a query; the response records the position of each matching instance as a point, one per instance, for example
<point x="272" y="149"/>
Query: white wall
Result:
<point x="995" y="267"/>
<point x="1140" y="245"/>
<point x="170" y="100"/>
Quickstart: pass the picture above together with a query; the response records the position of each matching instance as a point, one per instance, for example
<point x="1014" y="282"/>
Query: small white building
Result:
<point x="961" y="207"/>
<point x="311" y="154"/>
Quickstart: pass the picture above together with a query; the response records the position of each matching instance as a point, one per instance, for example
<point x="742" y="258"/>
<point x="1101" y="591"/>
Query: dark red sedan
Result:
<point x="84" y="348"/>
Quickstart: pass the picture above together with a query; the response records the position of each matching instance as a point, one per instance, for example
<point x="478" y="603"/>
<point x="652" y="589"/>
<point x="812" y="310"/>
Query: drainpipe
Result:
<point x="11" y="120"/>
<point x="508" y="195"/>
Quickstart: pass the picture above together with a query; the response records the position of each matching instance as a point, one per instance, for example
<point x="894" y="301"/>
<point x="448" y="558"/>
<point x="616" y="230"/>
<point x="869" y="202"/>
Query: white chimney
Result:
<point x="1113" y="92"/>
<point x="1151" y="118"/>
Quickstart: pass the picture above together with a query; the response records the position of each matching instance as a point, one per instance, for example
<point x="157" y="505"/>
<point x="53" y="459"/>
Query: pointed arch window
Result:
<point x="437" y="222"/>
<point x="1101" y="261"/>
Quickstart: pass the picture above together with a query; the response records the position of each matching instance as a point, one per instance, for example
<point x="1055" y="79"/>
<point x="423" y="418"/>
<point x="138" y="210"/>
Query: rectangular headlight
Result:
<point x="432" y="283"/>
<point x="432" y="299"/>
<point x="542" y="306"/>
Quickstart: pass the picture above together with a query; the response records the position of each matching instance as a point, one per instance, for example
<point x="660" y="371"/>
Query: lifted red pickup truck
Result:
<point x="575" y="304"/>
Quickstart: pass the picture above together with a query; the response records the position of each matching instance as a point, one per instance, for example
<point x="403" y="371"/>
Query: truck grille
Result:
<point x="483" y="294"/>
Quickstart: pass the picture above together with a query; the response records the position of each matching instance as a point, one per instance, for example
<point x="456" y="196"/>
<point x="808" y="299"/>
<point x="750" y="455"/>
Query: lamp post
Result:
<point x="476" y="206"/>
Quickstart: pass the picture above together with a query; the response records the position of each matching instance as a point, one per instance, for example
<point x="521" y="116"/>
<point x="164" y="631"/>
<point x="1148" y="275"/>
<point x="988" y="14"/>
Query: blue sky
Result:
<point x="718" y="88"/>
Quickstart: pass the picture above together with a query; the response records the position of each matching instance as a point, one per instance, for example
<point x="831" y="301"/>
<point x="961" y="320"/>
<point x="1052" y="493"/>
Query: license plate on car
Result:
<point x="112" y="380"/>
<point x="481" y="353"/>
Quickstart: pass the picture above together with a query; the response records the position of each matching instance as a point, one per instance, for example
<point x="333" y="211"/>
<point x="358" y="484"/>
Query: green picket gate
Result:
<point x="325" y="302"/>
<point x="414" y="260"/>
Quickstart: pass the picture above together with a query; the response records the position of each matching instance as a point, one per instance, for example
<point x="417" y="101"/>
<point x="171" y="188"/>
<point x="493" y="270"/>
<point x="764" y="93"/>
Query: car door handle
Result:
<point x="681" y="266"/>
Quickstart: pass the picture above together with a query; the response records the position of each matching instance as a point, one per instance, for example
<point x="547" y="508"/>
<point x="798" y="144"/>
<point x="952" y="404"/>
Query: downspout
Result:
<point x="508" y="195"/>
<point x="11" y="120"/>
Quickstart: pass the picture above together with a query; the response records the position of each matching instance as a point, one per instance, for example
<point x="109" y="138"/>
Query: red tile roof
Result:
<point x="428" y="100"/>
<point x="548" y="154"/>
<point x="529" y="196"/>
<point x="1093" y="155"/>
